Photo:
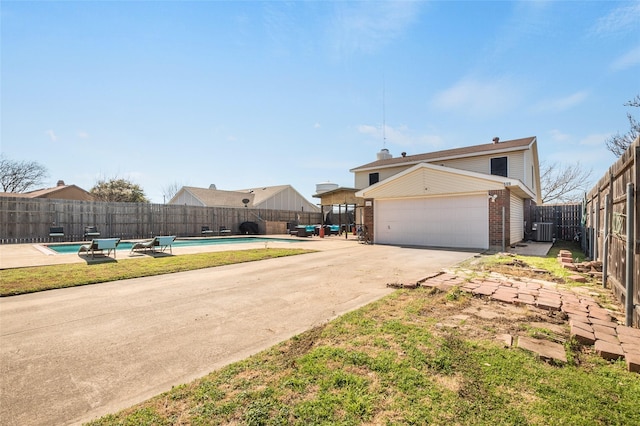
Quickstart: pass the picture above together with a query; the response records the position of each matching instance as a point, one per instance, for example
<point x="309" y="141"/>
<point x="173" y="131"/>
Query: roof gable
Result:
<point x="262" y="194"/>
<point x="218" y="198"/>
<point x="62" y="192"/>
<point x="430" y="180"/>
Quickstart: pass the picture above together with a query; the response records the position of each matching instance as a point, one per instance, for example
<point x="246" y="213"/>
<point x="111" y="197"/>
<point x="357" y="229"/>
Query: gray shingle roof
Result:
<point x="467" y="151"/>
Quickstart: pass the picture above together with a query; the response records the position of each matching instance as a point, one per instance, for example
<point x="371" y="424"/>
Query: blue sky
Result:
<point x="249" y="94"/>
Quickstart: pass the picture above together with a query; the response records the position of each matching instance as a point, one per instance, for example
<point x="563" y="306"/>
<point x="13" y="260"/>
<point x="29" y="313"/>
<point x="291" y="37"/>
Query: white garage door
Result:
<point x="461" y="221"/>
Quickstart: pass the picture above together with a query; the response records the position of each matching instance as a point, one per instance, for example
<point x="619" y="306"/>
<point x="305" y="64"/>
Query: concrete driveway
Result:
<point x="72" y="355"/>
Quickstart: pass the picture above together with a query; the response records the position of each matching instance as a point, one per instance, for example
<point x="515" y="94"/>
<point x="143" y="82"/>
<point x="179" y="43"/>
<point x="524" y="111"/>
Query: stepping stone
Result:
<point x="628" y="331"/>
<point x="608" y="351"/>
<point x="583" y="336"/>
<point x="545" y="349"/>
<point x="505" y="339"/>
<point x="604" y="330"/>
<point x="633" y="363"/>
<point x="606" y="337"/>
<point x="526" y="299"/>
<point x="603" y="323"/>
<point x="630" y="348"/>
<point x="548" y="304"/>
<point x="484" y="290"/>
<point x="573" y="308"/>
<point x="600" y="314"/>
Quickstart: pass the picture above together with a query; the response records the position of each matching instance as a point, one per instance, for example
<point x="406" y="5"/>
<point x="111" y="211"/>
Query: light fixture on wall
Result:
<point x="493" y="197"/>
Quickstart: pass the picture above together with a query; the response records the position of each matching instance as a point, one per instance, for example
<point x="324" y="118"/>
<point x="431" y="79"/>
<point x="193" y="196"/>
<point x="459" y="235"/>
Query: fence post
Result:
<point x="605" y="241"/>
<point x="629" y="273"/>
<point x="596" y="226"/>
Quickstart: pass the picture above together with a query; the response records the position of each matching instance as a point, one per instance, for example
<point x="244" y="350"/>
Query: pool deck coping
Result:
<point x="35" y="254"/>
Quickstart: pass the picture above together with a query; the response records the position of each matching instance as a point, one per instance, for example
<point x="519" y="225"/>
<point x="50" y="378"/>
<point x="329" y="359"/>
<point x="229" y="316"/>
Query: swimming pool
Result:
<point x="126" y="245"/>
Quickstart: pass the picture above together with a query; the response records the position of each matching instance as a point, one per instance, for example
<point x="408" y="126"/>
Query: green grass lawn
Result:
<point x="391" y="363"/>
<point x="32" y="279"/>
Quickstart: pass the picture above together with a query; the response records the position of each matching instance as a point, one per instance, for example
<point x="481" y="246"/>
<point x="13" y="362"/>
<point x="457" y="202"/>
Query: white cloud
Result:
<point x="628" y="60"/>
<point x="400" y="136"/>
<point x="562" y="104"/>
<point x="83" y="135"/>
<point x="479" y="98"/>
<point x="558" y="136"/>
<point x="367" y="26"/>
<point x="597" y="140"/>
<point x="621" y="19"/>
<point x="52" y="135"/>
<point x="317" y="126"/>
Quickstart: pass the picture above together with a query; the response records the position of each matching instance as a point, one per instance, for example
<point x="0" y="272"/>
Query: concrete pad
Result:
<point x="531" y="248"/>
<point x="71" y="355"/>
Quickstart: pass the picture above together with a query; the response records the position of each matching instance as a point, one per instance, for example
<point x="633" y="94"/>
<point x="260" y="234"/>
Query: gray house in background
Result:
<point x="281" y="197"/>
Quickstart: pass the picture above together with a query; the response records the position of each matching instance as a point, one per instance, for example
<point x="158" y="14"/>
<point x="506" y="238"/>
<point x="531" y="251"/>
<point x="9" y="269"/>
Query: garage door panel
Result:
<point x="441" y="221"/>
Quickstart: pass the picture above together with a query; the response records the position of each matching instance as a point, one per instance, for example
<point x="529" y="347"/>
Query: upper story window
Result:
<point x="374" y="178"/>
<point x="499" y="166"/>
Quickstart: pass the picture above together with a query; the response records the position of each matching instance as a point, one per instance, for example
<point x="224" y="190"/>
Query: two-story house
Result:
<point x="471" y="197"/>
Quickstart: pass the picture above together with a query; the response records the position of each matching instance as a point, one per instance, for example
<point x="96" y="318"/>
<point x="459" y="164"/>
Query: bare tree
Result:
<point x="118" y="190"/>
<point x="564" y="183"/>
<point x="20" y="176"/>
<point x="618" y="143"/>
<point x="169" y="191"/>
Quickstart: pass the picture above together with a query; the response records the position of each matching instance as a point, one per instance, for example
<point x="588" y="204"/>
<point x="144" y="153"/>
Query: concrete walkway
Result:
<point x="71" y="355"/>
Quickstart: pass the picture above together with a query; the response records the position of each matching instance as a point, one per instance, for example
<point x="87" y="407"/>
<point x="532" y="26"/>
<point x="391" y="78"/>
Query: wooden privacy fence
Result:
<point x="611" y="230"/>
<point x="565" y="221"/>
<point x="27" y="220"/>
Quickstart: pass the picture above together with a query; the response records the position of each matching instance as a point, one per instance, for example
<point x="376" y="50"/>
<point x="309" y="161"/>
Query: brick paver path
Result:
<point x="590" y="324"/>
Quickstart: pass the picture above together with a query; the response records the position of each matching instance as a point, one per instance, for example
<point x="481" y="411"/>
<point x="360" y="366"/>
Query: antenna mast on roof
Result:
<point x="384" y="118"/>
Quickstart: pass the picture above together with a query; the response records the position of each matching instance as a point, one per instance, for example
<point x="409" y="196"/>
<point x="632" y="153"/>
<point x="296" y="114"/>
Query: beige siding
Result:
<point x="517" y="219"/>
<point x="529" y="179"/>
<point x="482" y="164"/>
<point x="185" y="198"/>
<point x="427" y="182"/>
<point x="362" y="178"/>
<point x="287" y="199"/>
<point x="516" y="167"/>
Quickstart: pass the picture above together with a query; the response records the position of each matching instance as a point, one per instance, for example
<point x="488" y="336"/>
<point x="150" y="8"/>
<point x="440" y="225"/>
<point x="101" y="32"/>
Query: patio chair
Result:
<point x="225" y="230"/>
<point x="99" y="245"/>
<point x="91" y="231"/>
<point x="56" y="231"/>
<point x="162" y="242"/>
<point x="206" y="231"/>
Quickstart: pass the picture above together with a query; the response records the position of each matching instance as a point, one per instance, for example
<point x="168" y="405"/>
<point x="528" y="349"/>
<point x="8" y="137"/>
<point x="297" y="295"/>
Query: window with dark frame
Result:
<point x="374" y="178"/>
<point x="499" y="166"/>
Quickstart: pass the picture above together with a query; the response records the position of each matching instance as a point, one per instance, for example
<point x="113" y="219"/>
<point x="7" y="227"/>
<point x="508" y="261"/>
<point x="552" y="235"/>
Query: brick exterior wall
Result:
<point x="368" y="216"/>
<point x="503" y="199"/>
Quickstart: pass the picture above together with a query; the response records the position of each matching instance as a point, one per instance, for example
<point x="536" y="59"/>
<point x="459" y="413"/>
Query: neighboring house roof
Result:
<point x="441" y="181"/>
<point x="261" y="197"/>
<point x="61" y="192"/>
<point x="468" y="151"/>
<point x="215" y="197"/>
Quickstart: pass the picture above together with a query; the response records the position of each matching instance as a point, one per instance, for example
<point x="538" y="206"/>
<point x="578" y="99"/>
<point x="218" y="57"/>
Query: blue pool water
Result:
<point x="126" y="245"/>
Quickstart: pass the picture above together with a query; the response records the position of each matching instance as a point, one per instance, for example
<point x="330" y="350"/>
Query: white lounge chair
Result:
<point x="100" y="244"/>
<point x="160" y="242"/>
